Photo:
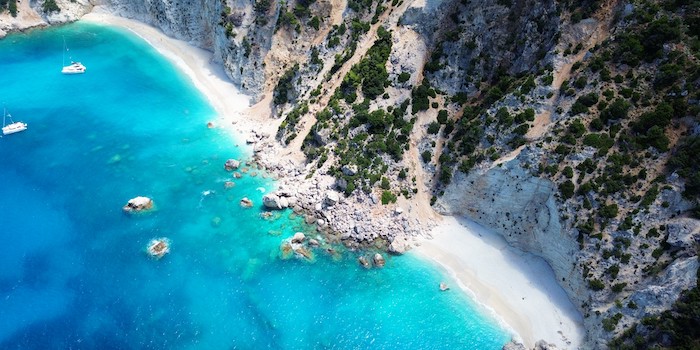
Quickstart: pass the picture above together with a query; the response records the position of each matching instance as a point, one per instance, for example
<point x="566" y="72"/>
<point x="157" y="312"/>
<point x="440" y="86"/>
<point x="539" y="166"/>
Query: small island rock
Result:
<point x="138" y="204"/>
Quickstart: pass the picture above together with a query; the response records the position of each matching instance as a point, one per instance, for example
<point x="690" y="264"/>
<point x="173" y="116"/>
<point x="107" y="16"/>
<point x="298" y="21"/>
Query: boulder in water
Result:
<point x="298" y="237"/>
<point x="138" y="204"/>
<point x="272" y="201"/>
<point x="364" y="262"/>
<point x="379" y="260"/>
<point x="231" y="164"/>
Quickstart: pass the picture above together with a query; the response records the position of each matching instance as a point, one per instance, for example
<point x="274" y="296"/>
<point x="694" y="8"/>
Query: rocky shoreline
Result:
<point x="358" y="221"/>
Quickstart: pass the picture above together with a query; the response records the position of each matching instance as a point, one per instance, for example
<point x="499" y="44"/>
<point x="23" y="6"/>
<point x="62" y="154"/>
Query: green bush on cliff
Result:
<point x="567" y="189"/>
<point x="49" y="6"/>
<point x="284" y="85"/>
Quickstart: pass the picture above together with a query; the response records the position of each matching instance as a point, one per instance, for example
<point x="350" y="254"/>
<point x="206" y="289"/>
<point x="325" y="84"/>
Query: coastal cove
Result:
<point x="74" y="267"/>
<point x="516" y="288"/>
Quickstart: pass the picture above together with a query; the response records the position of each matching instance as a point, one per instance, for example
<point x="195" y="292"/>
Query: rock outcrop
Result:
<point x="30" y="14"/>
<point x="138" y="204"/>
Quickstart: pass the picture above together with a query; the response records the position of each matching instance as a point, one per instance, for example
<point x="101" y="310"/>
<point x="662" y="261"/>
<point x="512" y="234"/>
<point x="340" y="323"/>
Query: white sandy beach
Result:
<point x="518" y="287"/>
<point x="198" y="64"/>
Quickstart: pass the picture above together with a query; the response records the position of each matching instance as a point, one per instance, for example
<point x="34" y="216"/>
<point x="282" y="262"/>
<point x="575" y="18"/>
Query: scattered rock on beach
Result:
<point x="513" y="345"/>
<point x="332" y="198"/>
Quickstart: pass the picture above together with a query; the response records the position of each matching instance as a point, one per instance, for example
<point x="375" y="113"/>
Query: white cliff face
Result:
<point x="187" y="20"/>
<point x="523" y="209"/>
<point x="31" y="15"/>
<point x="202" y="23"/>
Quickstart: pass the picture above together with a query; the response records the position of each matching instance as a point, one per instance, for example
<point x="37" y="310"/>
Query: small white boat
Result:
<point x="74" y="67"/>
<point x="13" y="127"/>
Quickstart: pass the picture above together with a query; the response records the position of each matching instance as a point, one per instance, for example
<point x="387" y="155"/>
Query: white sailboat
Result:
<point x="73" y="67"/>
<point x="13" y="127"/>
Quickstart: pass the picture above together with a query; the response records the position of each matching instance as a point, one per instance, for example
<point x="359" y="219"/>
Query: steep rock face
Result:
<point x="30" y="14"/>
<point x="493" y="38"/>
<point x="523" y="209"/>
<point x="233" y="30"/>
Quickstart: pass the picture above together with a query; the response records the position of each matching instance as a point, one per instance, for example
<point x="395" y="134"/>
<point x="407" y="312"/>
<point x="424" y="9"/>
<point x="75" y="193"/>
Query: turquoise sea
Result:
<point x="73" y="268"/>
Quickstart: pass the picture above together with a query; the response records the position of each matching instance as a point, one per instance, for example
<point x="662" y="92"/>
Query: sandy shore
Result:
<point x="518" y="287"/>
<point x="198" y="64"/>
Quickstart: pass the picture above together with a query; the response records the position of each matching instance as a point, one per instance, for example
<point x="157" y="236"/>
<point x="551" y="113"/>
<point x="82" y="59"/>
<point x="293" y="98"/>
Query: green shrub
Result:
<point x="426" y="156"/>
<point x="608" y="211"/>
<point x="48" y="6"/>
<point x="285" y="84"/>
<point x="567" y="189"/>
<point x="315" y="22"/>
<point x="609" y="324"/>
<point x="388" y="197"/>
<point x="618" y="287"/>
<point x="596" y="284"/>
<point x="442" y="116"/>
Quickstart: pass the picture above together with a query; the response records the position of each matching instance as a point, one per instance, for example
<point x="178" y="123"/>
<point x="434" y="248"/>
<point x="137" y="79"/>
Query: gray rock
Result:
<point x="298" y="237"/>
<point x="332" y="198"/>
<point x="231" y="165"/>
<point x="379" y="260"/>
<point x="543" y="345"/>
<point x="683" y="233"/>
<point x="342" y="184"/>
<point x="349" y="170"/>
<point x="513" y="345"/>
<point x="364" y="262"/>
<point x="272" y="201"/>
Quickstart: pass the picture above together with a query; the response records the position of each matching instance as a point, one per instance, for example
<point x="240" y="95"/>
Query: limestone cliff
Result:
<point x="32" y="14"/>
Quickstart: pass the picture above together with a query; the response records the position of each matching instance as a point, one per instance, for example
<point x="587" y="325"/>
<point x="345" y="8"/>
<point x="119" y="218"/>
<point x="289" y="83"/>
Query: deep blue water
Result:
<point x="73" y="268"/>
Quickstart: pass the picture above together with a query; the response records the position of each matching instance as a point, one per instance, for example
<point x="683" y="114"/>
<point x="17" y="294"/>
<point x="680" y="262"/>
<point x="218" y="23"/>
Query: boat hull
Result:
<point x="14" y="128"/>
<point x="74" y="68"/>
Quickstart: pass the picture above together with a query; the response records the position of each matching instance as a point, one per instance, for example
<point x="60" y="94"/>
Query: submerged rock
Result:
<point x="246" y="203"/>
<point x="138" y="204"/>
<point x="364" y="262"/>
<point x="158" y="247"/>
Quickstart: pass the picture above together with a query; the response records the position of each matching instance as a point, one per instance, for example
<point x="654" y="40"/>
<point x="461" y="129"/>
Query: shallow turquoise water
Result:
<point x="73" y="272"/>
